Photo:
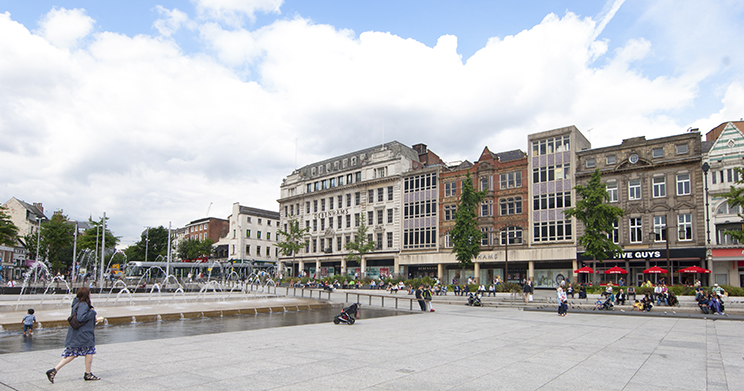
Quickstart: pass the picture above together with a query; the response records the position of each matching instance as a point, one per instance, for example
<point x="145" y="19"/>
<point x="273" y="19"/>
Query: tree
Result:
<point x="156" y="242"/>
<point x="361" y="244"/>
<point x="93" y="236"/>
<point x="194" y="248"/>
<point x="295" y="239"/>
<point x="57" y="235"/>
<point x="597" y="216"/>
<point x="8" y="230"/>
<point x="466" y="236"/>
<point x="735" y="197"/>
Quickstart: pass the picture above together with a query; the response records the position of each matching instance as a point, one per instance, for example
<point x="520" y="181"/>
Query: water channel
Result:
<point x="44" y="339"/>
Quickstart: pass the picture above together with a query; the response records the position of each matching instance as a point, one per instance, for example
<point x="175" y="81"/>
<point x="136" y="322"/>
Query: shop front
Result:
<point x="727" y="266"/>
<point x="636" y="261"/>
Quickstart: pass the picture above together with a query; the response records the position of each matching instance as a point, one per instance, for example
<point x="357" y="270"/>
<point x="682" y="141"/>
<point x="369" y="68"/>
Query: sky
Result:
<point x="164" y="112"/>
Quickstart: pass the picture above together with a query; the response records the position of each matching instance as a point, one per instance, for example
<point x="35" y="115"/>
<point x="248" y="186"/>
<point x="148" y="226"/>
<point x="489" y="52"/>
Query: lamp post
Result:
<point x="147" y="241"/>
<point x="706" y="168"/>
<point x="507" y="237"/>
<point x="38" y="241"/>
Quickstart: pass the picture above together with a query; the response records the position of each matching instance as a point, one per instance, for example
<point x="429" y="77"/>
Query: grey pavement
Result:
<point x="455" y="348"/>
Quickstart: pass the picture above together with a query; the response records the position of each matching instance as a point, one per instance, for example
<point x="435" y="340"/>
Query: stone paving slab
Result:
<point x="455" y="348"/>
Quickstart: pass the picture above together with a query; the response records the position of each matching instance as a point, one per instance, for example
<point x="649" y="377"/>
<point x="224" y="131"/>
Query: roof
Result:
<point x="32" y="208"/>
<point x="394" y="146"/>
<point x="509" y="155"/>
<point x="713" y="134"/>
<point x="707" y="145"/>
<point x="247" y="210"/>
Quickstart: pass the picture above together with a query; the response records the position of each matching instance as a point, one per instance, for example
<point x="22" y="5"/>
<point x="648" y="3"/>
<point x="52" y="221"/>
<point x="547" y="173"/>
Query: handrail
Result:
<point x="358" y="296"/>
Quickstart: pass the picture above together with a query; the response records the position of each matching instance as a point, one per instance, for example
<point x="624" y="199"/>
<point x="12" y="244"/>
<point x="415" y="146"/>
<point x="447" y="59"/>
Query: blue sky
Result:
<point x="151" y="110"/>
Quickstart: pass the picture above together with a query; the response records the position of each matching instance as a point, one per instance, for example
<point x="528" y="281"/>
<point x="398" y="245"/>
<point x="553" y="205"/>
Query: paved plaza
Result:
<point x="455" y="348"/>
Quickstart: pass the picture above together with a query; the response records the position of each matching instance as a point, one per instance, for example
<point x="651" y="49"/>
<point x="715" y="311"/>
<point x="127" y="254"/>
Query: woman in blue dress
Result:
<point x="80" y="342"/>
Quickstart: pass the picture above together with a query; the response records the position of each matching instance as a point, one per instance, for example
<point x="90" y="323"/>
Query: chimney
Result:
<point x="39" y="206"/>
<point x="420" y="148"/>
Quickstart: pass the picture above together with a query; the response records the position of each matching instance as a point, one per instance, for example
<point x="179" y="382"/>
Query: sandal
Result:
<point x="50" y="374"/>
<point x="91" y="376"/>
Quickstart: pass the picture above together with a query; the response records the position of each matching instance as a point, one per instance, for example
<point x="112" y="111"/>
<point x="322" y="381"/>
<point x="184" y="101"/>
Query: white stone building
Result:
<point x="251" y="237"/>
<point x="331" y="196"/>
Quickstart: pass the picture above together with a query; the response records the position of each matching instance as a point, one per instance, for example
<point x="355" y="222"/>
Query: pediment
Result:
<point x="627" y="165"/>
<point x="685" y="205"/>
<point x="634" y="209"/>
<point x="660" y="207"/>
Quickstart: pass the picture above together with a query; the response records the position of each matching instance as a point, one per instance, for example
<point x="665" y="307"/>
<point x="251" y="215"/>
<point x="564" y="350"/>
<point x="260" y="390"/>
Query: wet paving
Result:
<point x="44" y="339"/>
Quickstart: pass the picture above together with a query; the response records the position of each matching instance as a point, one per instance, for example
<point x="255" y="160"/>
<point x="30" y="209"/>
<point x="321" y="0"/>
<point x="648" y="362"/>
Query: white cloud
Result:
<point x="65" y="28"/>
<point x="135" y="127"/>
<point x="232" y="12"/>
<point x="171" y="21"/>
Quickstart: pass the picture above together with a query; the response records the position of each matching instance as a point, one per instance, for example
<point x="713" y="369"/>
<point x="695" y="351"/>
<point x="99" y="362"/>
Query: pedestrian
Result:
<point x="427" y="298"/>
<point x="527" y="291"/>
<point x="420" y="298"/>
<point x="28" y="322"/>
<point x="80" y="342"/>
<point x="562" y="302"/>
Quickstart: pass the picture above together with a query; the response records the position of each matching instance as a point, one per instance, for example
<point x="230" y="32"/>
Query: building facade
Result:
<point x="26" y="217"/>
<point x="659" y="184"/>
<point x="552" y="161"/>
<point x="206" y="228"/>
<point x="251" y="236"/>
<point x="334" y="196"/>
<point x="724" y="154"/>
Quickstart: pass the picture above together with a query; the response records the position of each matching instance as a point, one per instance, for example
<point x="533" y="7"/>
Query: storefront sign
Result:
<point x="727" y="252"/>
<point x="330" y="213"/>
<point x="696" y="252"/>
<point x="488" y="255"/>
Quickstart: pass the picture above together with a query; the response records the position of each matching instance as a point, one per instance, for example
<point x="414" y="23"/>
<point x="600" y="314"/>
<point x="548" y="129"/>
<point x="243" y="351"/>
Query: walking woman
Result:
<point x="80" y="342"/>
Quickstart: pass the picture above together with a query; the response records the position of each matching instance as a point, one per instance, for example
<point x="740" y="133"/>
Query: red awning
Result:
<point x="585" y="269"/>
<point x="694" y="269"/>
<point x="616" y="270"/>
<point x="655" y="270"/>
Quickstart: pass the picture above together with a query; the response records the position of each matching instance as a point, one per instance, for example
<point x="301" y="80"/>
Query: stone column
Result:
<point x="343" y="266"/>
<point x="300" y="268"/>
<point x="317" y="268"/>
<point x="476" y="271"/>
<point x="531" y="270"/>
<point x="363" y="267"/>
<point x="440" y="272"/>
<point x="575" y="266"/>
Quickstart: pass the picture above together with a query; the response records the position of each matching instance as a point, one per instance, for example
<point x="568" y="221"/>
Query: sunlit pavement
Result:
<point x="455" y="348"/>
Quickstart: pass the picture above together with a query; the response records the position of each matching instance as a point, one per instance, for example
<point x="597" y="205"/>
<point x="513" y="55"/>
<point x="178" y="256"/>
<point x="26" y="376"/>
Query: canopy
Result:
<point x="655" y="270"/>
<point x="616" y="270"/>
<point x="585" y="269"/>
<point x="694" y="269"/>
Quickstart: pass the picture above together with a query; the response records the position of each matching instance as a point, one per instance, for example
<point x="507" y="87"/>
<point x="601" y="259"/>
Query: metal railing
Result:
<point x="370" y="296"/>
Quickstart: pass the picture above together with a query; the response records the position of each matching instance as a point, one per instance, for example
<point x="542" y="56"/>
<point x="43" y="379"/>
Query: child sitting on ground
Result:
<point x="598" y="303"/>
<point x="28" y="322"/>
<point x="637" y="306"/>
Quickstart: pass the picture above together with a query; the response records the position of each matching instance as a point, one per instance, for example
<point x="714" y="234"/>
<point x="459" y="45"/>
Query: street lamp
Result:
<point x="706" y="168"/>
<point x="656" y="236"/>
<point x="506" y="230"/>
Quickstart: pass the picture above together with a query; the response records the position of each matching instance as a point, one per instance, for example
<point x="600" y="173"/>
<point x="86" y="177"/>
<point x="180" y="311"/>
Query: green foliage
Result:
<point x="294" y="239"/>
<point x="8" y="230"/>
<point x="193" y="248"/>
<point x="156" y="241"/>
<point x="94" y="236"/>
<point x="57" y="235"/>
<point x="735" y="197"/>
<point x="361" y="244"/>
<point x="597" y="217"/>
<point x="466" y="236"/>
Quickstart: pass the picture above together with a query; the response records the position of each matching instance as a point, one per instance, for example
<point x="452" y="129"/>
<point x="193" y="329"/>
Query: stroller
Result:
<point x="608" y="305"/>
<point x="474" y="300"/>
<point x="348" y="315"/>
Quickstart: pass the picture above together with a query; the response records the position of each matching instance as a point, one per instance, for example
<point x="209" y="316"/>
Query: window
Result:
<point x="611" y="159"/>
<point x="636" y="230"/>
<point x="380" y="172"/>
<point x="590" y="163"/>
<point x="449" y="212"/>
<point x="357" y="198"/>
<point x="681" y="149"/>
<point x="258" y="250"/>
<point x="349" y="179"/>
<point x="370" y="196"/>
<point x="358" y="176"/>
<point x="659" y="184"/>
<point x="380" y="213"/>
<point x="341" y="180"/>
<point x="322" y="204"/>
<point x="510" y="206"/>
<point x="339" y="222"/>
<point x="660" y="234"/>
<point x="390" y="193"/>
<point x="683" y="184"/>
<point x="485" y="235"/>
<point x="450" y="189"/>
<point x="348" y="200"/>
<point x="248" y="249"/>
<point x="484" y="183"/>
<point x="315" y="205"/>
<point x="657" y="152"/>
<point x="322" y="224"/>
<point x="370" y="217"/>
<point x="247" y="233"/>
<point x="339" y="246"/>
<point x="514" y="235"/>
<point x="485" y="209"/>
<point x="390" y="216"/>
<point x="615" y="233"/>
<point x="389" y="240"/>
<point x="510" y="180"/>
<point x="348" y="221"/>
<point x="612" y="191"/>
<point x="684" y="223"/>
<point x="552" y="230"/>
<point x="330" y="203"/>
<point x="380" y="194"/>
<point x="268" y="236"/>
<point x="634" y="189"/>
<point x="315" y="225"/>
<point x="268" y="251"/>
